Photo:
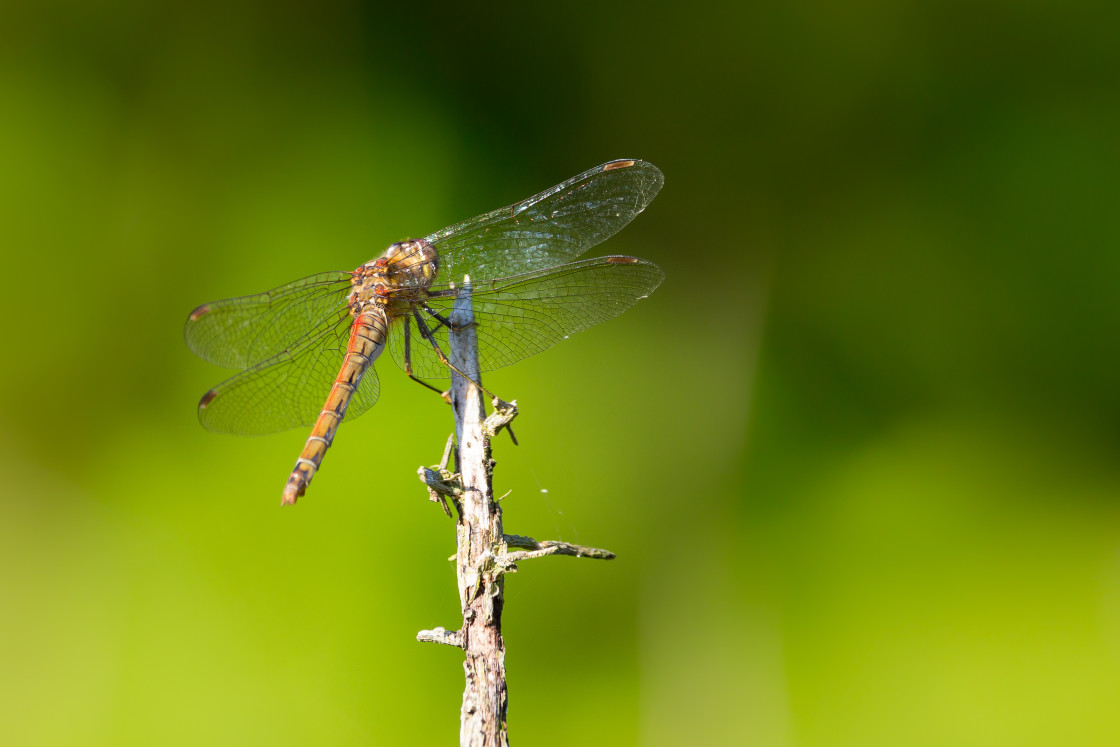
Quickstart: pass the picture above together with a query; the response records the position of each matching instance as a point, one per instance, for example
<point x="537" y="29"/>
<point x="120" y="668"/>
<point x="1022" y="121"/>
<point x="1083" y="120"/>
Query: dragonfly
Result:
<point x="305" y="350"/>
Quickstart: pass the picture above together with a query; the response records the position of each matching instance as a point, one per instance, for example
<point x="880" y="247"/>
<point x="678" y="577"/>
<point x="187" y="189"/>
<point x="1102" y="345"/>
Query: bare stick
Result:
<point x="480" y="542"/>
<point x="482" y="557"/>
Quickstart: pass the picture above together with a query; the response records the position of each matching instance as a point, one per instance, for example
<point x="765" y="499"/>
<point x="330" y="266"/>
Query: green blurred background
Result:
<point x="858" y="455"/>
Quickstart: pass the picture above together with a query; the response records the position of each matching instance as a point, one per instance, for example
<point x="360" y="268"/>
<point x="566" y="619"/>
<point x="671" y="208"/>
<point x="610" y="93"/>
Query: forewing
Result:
<point x="243" y="332"/>
<point x="522" y="315"/>
<point x="550" y="228"/>
<point x="289" y="389"/>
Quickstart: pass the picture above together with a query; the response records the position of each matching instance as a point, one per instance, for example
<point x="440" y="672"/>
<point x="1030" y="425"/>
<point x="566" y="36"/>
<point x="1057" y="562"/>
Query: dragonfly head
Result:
<point x="410" y="264"/>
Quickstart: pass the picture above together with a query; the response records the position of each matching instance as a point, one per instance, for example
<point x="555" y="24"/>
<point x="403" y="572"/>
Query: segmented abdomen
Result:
<point x="367" y="340"/>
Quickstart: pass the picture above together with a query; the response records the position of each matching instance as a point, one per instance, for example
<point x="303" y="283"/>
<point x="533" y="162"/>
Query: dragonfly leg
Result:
<point x="427" y="334"/>
<point x="440" y="318"/>
<point x="408" y="357"/>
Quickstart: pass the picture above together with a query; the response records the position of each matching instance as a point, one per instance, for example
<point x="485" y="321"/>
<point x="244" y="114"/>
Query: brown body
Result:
<point x="383" y="291"/>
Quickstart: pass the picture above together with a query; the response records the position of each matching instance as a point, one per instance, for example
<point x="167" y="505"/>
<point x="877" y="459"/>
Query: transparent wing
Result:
<point x="289" y="389"/>
<point x="242" y="332"/>
<point x="550" y="228"/>
<point x="522" y="315"/>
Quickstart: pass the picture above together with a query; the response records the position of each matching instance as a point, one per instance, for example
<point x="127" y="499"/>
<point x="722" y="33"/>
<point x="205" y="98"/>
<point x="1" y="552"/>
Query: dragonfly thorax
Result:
<point x="396" y="279"/>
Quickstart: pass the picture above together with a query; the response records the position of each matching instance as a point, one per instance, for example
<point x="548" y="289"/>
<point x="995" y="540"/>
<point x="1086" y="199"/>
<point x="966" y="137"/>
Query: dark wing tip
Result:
<point x="622" y="260"/>
<point x="620" y="164"/>
<point x="199" y="312"/>
<point x="207" y="399"/>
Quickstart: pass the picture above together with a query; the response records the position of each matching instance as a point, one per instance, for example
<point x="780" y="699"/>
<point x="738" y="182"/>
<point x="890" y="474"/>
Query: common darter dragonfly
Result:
<point x="306" y="349"/>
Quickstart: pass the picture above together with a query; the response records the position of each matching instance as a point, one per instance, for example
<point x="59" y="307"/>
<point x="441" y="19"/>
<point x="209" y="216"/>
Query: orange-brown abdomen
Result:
<point x="367" y="340"/>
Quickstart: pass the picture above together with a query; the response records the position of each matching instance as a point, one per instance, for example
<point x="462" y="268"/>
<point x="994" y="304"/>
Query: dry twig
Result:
<point x="483" y="557"/>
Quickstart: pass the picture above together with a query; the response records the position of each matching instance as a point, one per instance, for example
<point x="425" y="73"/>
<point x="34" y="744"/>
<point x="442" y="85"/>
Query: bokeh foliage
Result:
<point x="857" y="455"/>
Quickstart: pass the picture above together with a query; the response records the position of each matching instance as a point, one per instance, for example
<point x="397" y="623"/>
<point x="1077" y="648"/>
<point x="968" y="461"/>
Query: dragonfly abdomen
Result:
<point x="367" y="340"/>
